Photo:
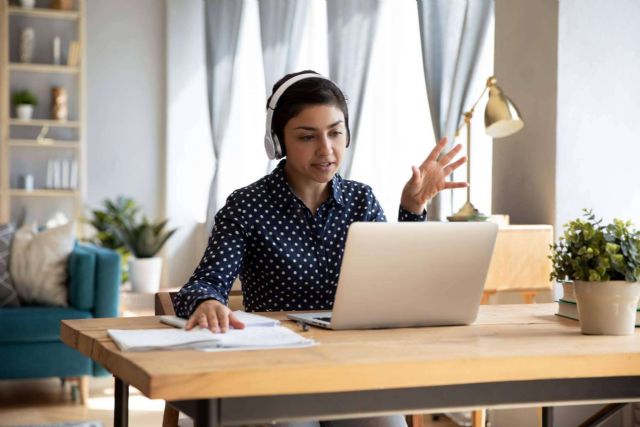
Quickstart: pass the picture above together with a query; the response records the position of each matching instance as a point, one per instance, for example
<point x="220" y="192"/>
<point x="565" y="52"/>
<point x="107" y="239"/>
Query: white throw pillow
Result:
<point x="39" y="263"/>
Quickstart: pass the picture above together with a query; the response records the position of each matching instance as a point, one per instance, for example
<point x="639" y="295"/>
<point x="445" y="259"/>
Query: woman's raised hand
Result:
<point x="430" y="178"/>
<point x="214" y="316"/>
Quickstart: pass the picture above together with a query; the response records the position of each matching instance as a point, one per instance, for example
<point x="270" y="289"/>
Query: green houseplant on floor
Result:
<point x="115" y="213"/>
<point x="144" y="240"/>
<point x="603" y="261"/>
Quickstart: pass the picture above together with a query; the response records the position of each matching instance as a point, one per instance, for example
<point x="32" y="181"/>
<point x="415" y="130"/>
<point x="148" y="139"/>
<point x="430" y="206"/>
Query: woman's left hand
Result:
<point x="430" y="178"/>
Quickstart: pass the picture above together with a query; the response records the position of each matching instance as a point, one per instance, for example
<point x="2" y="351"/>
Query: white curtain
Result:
<point x="223" y="19"/>
<point x="352" y="27"/>
<point x="282" y="23"/>
<point x="452" y="33"/>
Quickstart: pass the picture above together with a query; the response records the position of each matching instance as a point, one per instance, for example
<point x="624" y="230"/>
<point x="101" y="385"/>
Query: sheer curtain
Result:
<point x="452" y="35"/>
<point x="352" y="28"/>
<point x="223" y="19"/>
<point x="281" y="28"/>
<point x="395" y="128"/>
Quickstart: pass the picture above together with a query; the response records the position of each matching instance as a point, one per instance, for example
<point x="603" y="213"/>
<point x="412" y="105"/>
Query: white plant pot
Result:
<point x="144" y="274"/>
<point x="607" y="308"/>
<point x="24" y="111"/>
<point x="28" y="4"/>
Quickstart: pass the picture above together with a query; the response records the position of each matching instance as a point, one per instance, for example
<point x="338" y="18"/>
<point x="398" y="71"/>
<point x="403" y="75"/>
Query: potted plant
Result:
<point x="115" y="213"/>
<point x="144" y="240"/>
<point x="24" y="101"/>
<point x="603" y="261"/>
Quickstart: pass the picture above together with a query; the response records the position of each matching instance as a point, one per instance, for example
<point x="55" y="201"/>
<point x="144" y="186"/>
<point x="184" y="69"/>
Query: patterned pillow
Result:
<point x="39" y="263"/>
<point x="8" y="294"/>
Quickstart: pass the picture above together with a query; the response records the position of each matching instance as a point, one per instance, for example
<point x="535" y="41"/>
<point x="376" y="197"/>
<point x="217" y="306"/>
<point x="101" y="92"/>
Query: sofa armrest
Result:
<point x="97" y="290"/>
<point x="81" y="268"/>
<point x="107" y="282"/>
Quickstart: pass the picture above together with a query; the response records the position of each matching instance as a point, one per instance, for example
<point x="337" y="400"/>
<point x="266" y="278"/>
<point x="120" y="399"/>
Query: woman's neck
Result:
<point x="312" y="193"/>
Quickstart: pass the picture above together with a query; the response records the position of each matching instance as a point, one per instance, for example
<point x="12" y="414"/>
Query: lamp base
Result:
<point x="467" y="213"/>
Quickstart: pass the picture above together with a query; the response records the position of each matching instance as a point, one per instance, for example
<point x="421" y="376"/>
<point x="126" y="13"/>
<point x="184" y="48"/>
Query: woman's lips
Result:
<point x="325" y="166"/>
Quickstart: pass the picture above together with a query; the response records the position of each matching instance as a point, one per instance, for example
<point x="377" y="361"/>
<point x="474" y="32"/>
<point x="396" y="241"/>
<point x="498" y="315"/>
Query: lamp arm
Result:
<point x="475" y="104"/>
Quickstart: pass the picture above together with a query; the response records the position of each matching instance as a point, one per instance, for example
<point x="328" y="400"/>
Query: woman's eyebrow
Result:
<point x="312" y="128"/>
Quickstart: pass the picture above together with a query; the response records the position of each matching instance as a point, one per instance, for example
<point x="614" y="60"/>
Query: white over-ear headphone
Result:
<point x="272" y="145"/>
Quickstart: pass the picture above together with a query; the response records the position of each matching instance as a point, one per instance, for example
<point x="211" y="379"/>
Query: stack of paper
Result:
<point x="260" y="333"/>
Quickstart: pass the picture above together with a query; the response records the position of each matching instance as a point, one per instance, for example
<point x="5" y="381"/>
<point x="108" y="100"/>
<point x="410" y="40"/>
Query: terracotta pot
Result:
<point x="607" y="308"/>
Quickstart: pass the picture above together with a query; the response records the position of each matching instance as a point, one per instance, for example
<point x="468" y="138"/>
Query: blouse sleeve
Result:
<point x="220" y="264"/>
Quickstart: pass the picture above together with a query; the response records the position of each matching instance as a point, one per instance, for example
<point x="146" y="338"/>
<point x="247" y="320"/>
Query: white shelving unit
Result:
<point x="17" y="137"/>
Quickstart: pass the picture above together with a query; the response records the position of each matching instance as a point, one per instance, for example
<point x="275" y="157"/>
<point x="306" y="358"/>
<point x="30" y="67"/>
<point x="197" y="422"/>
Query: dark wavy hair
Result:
<point x="302" y="94"/>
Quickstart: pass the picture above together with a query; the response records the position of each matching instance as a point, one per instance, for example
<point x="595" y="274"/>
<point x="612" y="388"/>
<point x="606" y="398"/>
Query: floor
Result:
<point x="47" y="401"/>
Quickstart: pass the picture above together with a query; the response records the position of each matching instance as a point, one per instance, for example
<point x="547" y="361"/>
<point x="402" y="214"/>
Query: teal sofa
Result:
<point x="30" y="345"/>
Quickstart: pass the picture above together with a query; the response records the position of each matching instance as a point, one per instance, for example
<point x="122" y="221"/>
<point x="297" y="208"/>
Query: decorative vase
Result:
<point x="24" y="111"/>
<point x="144" y="274"/>
<point x="27" y="4"/>
<point x="27" y="40"/>
<point x="59" y="109"/>
<point x="607" y="308"/>
<point x="62" y="4"/>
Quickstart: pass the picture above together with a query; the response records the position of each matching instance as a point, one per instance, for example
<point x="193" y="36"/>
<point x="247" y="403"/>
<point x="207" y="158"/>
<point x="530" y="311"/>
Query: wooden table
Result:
<point x="513" y="356"/>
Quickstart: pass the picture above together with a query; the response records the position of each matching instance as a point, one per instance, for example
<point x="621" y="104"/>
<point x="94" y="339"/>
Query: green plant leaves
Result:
<point x="591" y="251"/>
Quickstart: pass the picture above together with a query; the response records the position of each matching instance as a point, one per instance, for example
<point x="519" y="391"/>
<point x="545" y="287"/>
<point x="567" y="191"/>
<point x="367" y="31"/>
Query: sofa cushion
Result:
<point x="39" y="263"/>
<point x="35" y="323"/>
<point x="8" y="294"/>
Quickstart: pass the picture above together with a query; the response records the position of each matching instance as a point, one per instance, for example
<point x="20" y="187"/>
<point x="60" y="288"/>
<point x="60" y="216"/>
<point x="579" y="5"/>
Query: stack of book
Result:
<point x="567" y="306"/>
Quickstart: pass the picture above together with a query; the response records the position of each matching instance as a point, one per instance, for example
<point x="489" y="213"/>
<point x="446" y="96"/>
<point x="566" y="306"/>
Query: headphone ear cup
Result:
<point x="269" y="147"/>
<point x="279" y="148"/>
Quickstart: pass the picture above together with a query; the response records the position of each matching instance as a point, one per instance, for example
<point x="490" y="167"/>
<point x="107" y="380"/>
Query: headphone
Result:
<point x="273" y="146"/>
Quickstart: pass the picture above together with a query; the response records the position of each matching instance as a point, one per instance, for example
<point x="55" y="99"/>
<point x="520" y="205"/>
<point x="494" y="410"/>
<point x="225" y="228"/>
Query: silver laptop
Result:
<point x="397" y="275"/>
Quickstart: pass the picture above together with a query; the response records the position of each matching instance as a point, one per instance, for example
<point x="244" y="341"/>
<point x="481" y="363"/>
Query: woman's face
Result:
<point x="315" y="140"/>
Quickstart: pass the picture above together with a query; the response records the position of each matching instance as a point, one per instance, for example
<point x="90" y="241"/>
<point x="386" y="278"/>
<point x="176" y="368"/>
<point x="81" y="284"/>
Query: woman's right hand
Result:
<point x="215" y="316"/>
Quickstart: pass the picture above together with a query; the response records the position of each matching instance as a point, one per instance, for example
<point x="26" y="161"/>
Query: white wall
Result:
<point x="526" y="44"/>
<point x="125" y="101"/>
<point x="571" y="66"/>
<point x="189" y="162"/>
<point x="598" y="144"/>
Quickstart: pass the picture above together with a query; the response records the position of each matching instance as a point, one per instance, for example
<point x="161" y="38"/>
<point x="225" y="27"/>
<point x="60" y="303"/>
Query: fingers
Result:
<point x="212" y="319"/>
<point x="450" y="155"/>
<point x="415" y="175"/>
<point x="455" y="165"/>
<point x="449" y="185"/>
<point x="223" y="318"/>
<point x="235" y="323"/>
<point x="191" y="322"/>
<point x="436" y="150"/>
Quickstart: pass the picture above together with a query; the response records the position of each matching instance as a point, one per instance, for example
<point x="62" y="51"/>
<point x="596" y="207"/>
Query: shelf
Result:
<point x="32" y="143"/>
<point x="43" y="68"/>
<point x="44" y="13"/>
<point x="43" y="193"/>
<point x="41" y="122"/>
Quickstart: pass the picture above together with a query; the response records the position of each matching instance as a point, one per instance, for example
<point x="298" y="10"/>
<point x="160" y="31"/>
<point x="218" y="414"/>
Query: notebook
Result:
<point x="259" y="333"/>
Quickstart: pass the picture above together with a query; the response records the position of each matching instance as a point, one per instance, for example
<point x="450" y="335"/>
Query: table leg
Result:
<point x="547" y="416"/>
<point x="206" y="414"/>
<point x="121" y="404"/>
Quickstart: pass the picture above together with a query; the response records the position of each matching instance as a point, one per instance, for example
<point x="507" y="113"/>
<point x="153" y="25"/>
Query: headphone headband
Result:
<point x="286" y="85"/>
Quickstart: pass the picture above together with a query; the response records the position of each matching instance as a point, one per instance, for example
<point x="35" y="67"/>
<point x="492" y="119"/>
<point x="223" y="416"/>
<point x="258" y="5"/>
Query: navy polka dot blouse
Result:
<point x="287" y="258"/>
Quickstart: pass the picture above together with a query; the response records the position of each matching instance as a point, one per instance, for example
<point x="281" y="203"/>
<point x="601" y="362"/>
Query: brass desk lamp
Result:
<point x="501" y="118"/>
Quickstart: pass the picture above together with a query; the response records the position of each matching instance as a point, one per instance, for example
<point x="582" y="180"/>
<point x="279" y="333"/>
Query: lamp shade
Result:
<point x="501" y="117"/>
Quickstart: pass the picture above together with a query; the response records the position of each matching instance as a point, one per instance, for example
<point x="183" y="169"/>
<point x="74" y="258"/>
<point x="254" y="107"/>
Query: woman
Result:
<point x="285" y="234"/>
